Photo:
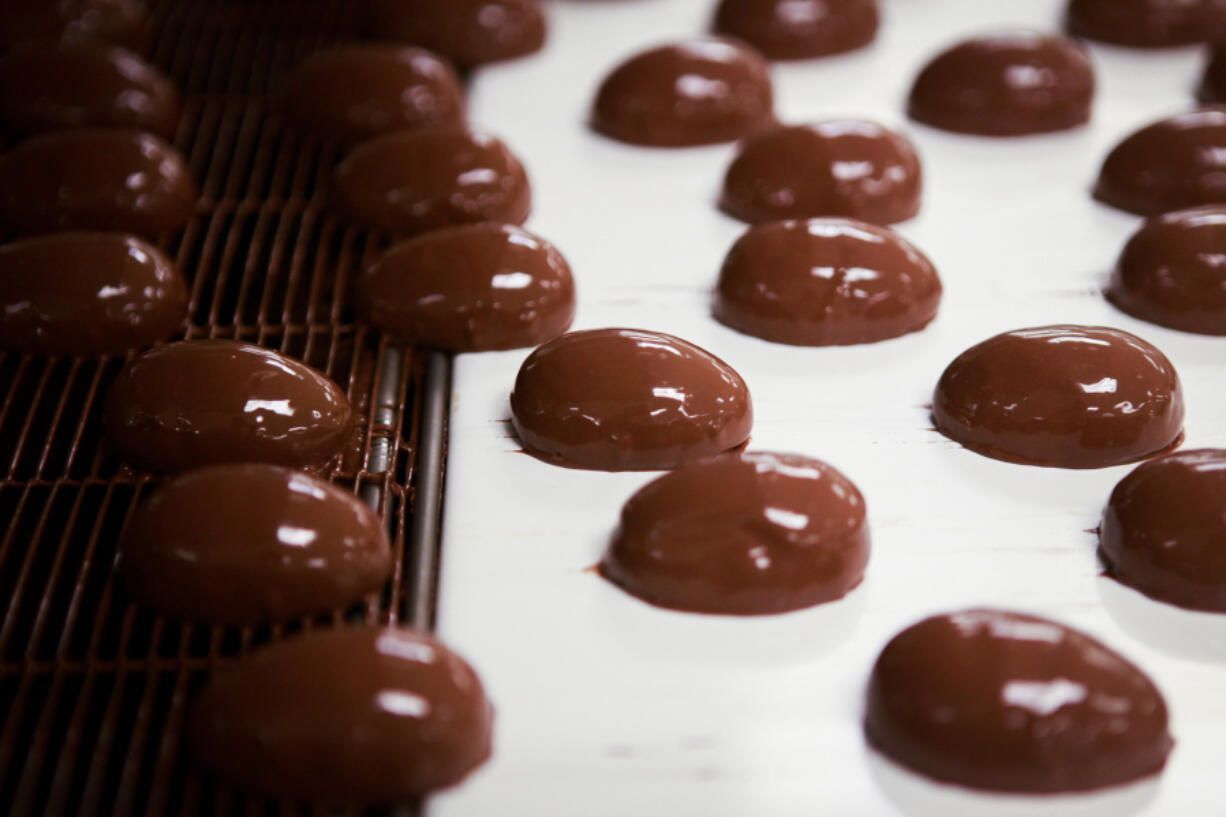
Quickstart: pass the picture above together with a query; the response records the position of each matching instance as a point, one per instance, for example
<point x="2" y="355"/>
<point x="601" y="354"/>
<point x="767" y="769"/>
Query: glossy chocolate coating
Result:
<point x="697" y="92"/>
<point x="1169" y="165"/>
<point x="799" y="29"/>
<point x="470" y="288"/>
<point x="46" y="85"/>
<point x="742" y="534"/>
<point x="467" y="32"/>
<point x="206" y="402"/>
<point x="123" y="22"/>
<point x="1172" y="271"/>
<point x="845" y="168"/>
<point x="94" y="179"/>
<point x="1213" y="84"/>
<point x="825" y="282"/>
<point x="88" y="294"/>
<point x="1147" y="23"/>
<point x="354" y="92"/>
<point x="359" y="716"/>
<point x="1061" y="396"/>
<point x="413" y="181"/>
<point x="1164" y="529"/>
<point x="1007" y="702"/>
<point x="252" y="543"/>
<point x="1008" y="84"/>
<point x="628" y="400"/>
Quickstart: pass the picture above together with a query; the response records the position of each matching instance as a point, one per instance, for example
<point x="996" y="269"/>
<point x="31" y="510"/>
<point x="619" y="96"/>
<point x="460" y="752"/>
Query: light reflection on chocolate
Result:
<point x="252" y="543"/>
<point x="628" y="400"/>
<point x="46" y="85"/>
<point x="95" y="179"/>
<point x="842" y="167"/>
<point x="1007" y="84"/>
<point x="1164" y="529"/>
<point x="1062" y="396"/>
<point x="1008" y="702"/>
<point x="88" y="294"/>
<point x="1147" y="23"/>
<point x="470" y="33"/>
<point x="358" y="91"/>
<point x="742" y="534"/>
<point x="695" y="92"/>
<point x="799" y="29"/>
<point x="825" y="282"/>
<point x="1169" y="165"/>
<point x="123" y="22"/>
<point x="351" y="716"/>
<point x="1172" y="271"/>
<point x="470" y="289"/>
<point x="410" y="182"/>
<point x="207" y="402"/>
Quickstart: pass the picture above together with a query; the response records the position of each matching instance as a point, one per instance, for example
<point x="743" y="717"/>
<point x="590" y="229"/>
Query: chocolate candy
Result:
<point x="1062" y="396"/>
<point x="1172" y="271"/>
<point x="414" y="181"/>
<point x="361" y="716"/>
<point x="123" y="22"/>
<point x="94" y="179"/>
<point x="467" y="32"/>
<point x="1164" y="529"/>
<point x="799" y="29"/>
<point x="1008" y="702"/>
<point x="470" y="288"/>
<point x="205" y="402"/>
<point x="1147" y="23"/>
<point x="628" y="400"/>
<point x="846" y="168"/>
<point x="88" y="294"/>
<point x="1213" y="85"/>
<point x="1169" y="165"/>
<point x="357" y="91"/>
<point x="1008" y="84"/>
<point x="252" y="543"/>
<point x="46" y="85"/>
<point x="825" y="282"/>
<point x="742" y="534"/>
<point x="696" y="92"/>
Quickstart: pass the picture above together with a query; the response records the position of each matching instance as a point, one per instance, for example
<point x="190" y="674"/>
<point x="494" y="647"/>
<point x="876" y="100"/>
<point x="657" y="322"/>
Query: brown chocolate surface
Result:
<point x="470" y="288"/>
<point x="845" y="168"/>
<point x="1172" y="271"/>
<point x="1169" y="165"/>
<point x="799" y="29"/>
<point x="46" y="85"/>
<point x="628" y="400"/>
<point x="1213" y="84"/>
<point x="356" y="91"/>
<point x="88" y="294"/>
<point x="695" y="92"/>
<point x="252" y="543"/>
<point x="123" y="22"/>
<point x="95" y="179"/>
<point x="742" y="534"/>
<point x="1007" y="84"/>
<point x="206" y="402"/>
<point x="467" y="32"/>
<point x="413" y="181"/>
<point x="1147" y="23"/>
<point x="1008" y="702"/>
<point x="348" y="716"/>
<point x="1062" y="396"/>
<point x="825" y="282"/>
<point x="1164" y="529"/>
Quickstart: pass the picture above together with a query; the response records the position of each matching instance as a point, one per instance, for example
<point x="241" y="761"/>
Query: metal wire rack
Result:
<point x="93" y="689"/>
